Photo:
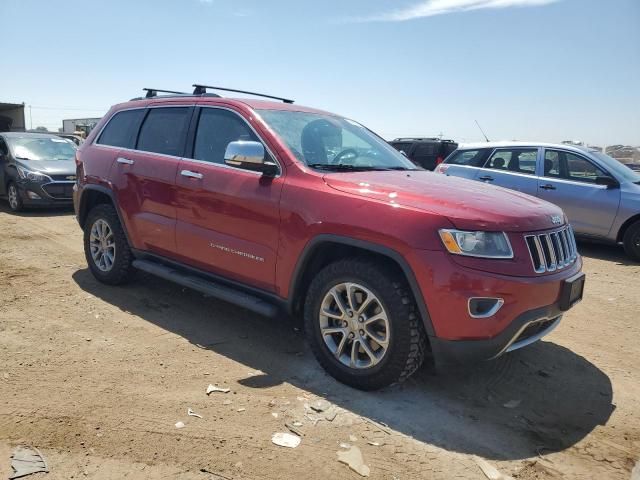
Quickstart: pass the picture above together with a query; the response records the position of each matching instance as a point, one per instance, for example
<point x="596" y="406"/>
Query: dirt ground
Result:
<point x="96" y="378"/>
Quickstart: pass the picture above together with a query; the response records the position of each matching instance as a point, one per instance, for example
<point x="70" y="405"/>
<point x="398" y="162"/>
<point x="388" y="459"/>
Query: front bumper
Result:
<point x="532" y="307"/>
<point x="50" y="194"/>
<point x="528" y="328"/>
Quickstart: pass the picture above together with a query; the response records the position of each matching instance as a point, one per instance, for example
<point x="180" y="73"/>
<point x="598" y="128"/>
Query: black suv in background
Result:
<point x="427" y="153"/>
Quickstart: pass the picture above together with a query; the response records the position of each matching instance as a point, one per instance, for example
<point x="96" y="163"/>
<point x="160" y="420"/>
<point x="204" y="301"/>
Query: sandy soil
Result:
<point x="96" y="377"/>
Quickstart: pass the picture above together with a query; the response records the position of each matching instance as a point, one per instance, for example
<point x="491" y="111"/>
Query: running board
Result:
<point x="208" y="287"/>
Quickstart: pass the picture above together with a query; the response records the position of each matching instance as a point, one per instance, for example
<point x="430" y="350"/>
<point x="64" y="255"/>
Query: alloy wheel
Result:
<point x="354" y="325"/>
<point x="102" y="245"/>
<point x="13" y="197"/>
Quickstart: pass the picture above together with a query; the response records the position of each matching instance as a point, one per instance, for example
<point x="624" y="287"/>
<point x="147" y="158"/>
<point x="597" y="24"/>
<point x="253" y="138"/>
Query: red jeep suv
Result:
<point x="283" y="208"/>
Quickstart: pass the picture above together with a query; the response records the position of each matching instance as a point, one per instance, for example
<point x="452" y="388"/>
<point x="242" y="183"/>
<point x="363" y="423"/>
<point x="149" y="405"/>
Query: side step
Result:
<point x="208" y="287"/>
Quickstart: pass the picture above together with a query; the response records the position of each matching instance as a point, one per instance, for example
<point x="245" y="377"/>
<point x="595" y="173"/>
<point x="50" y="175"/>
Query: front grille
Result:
<point x="59" y="190"/>
<point x="67" y="177"/>
<point x="552" y="251"/>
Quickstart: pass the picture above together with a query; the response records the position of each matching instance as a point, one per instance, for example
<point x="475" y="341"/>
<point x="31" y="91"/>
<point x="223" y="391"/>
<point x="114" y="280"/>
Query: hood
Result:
<point x="468" y="204"/>
<point x="50" y="167"/>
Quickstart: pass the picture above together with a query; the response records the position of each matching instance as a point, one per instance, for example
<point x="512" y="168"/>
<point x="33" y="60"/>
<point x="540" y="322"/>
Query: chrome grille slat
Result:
<point x="552" y="251"/>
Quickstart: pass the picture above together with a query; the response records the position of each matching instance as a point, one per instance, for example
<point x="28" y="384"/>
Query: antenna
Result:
<point x="202" y="89"/>
<point x="484" y="134"/>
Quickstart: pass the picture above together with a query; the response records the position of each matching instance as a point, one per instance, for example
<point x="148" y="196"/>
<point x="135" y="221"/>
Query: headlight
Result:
<point x="477" y="244"/>
<point x="32" y="176"/>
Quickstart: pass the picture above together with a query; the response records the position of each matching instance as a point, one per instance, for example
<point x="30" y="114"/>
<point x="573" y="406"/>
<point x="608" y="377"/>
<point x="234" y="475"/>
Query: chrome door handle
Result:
<point x="125" y="161"/>
<point x="548" y="186"/>
<point x="190" y="174"/>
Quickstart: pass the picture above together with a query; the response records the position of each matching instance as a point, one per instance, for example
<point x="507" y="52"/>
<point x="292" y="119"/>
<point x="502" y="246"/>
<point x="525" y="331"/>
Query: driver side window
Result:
<point x="217" y="128"/>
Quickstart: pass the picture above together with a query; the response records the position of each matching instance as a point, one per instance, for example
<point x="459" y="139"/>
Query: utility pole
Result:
<point x="30" y="119"/>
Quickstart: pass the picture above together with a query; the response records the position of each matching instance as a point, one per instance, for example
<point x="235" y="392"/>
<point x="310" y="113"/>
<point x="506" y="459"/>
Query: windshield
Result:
<point x="333" y="143"/>
<point x="42" y="148"/>
<point x="620" y="170"/>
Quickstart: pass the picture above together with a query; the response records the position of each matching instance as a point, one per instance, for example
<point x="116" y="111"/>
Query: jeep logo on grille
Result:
<point x="556" y="219"/>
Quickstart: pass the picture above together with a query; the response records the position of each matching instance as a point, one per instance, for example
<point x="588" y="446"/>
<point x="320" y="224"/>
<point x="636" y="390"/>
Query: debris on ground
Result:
<point x="213" y="389"/>
<point x="512" y="404"/>
<point x="241" y="409"/>
<point x="353" y="438"/>
<point x="286" y="440"/>
<point x="353" y="458"/>
<point x="375" y="444"/>
<point x="297" y="424"/>
<point x="381" y="426"/>
<point x="491" y="472"/>
<point x="180" y="425"/>
<point x="26" y="461"/>
<point x="292" y="429"/>
<point x="274" y="414"/>
<point x="227" y="402"/>
<point x="191" y="413"/>
<point x="345" y="445"/>
<point x="319" y="406"/>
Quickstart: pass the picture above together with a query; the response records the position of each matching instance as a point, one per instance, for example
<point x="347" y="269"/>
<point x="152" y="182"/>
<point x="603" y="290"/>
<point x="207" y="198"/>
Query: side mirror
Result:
<point x="608" y="182"/>
<point x="250" y="156"/>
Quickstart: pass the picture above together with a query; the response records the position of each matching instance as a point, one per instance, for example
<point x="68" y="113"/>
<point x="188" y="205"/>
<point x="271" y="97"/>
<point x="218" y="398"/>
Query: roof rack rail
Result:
<point x="202" y="89"/>
<point x="153" y="92"/>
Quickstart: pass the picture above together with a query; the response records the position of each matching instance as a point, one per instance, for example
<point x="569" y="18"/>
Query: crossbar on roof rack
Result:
<point x="202" y="89"/>
<point x="153" y="92"/>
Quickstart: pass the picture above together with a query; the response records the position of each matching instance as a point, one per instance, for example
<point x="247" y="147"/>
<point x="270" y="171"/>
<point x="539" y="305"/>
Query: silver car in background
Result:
<point x="600" y="196"/>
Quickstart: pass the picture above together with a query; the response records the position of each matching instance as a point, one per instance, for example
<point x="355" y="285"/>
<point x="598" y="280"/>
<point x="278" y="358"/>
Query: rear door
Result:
<point x="568" y="180"/>
<point x="513" y="168"/>
<point x="228" y="218"/>
<point x="144" y="178"/>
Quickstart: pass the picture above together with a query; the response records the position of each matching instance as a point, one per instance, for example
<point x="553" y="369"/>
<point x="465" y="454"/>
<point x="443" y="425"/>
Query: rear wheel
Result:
<point x="13" y="195"/>
<point x="105" y="246"/>
<point x="362" y="324"/>
<point x="632" y="241"/>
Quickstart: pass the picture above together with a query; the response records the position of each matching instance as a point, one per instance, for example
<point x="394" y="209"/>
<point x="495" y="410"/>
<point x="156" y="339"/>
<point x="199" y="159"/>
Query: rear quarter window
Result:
<point x="471" y="158"/>
<point x="121" y="129"/>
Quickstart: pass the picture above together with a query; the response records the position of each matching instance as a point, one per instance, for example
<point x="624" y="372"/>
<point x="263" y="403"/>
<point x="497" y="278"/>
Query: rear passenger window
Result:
<point x="217" y="128"/>
<point x="519" y="160"/>
<point x="121" y="129"/>
<point x="164" y="131"/>
<point x="472" y="158"/>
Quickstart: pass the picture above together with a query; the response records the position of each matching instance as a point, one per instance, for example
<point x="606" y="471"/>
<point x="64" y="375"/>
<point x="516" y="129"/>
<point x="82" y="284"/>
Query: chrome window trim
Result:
<point x="202" y="162"/>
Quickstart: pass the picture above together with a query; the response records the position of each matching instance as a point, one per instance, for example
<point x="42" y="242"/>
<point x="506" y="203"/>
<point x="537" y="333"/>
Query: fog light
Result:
<point x="481" y="307"/>
<point x="33" y="195"/>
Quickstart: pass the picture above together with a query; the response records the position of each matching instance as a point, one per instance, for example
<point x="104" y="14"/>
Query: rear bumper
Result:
<point x="528" y="328"/>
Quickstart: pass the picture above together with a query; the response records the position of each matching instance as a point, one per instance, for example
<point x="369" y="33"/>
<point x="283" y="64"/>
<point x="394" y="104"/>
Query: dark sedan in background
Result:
<point x="36" y="169"/>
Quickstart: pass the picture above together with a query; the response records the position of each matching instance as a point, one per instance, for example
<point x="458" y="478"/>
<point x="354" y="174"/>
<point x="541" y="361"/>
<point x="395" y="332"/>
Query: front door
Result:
<point x="569" y="181"/>
<point x="227" y="218"/>
<point x="4" y="162"/>
<point x="513" y="168"/>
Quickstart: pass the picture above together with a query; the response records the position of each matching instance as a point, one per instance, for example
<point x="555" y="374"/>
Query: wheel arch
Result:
<point x="93" y="195"/>
<point x="625" y="226"/>
<point x="324" y="249"/>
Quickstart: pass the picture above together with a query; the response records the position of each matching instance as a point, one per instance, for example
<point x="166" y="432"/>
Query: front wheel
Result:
<point x="106" y="247"/>
<point x="13" y="195"/>
<point x="632" y="241"/>
<point x="362" y="323"/>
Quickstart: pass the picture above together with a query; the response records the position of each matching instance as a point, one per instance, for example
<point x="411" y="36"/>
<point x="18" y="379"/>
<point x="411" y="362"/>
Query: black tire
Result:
<point x="632" y="241"/>
<point x="17" y="205"/>
<point x="121" y="270"/>
<point x="407" y="338"/>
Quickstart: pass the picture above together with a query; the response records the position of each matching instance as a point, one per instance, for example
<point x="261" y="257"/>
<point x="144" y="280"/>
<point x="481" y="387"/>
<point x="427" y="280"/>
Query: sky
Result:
<point x="543" y="70"/>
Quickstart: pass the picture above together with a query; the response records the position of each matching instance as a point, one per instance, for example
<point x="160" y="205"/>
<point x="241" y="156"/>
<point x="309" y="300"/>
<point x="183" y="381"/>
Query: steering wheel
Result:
<point x="347" y="151"/>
